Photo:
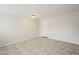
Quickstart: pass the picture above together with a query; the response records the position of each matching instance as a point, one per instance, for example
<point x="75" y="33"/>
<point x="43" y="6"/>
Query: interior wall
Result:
<point x="43" y="27"/>
<point x="15" y="29"/>
<point x="63" y="27"/>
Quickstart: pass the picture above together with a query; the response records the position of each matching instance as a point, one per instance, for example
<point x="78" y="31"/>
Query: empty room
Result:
<point x="39" y="29"/>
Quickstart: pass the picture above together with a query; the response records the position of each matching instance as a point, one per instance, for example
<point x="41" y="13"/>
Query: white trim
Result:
<point x="68" y="41"/>
<point x="17" y="41"/>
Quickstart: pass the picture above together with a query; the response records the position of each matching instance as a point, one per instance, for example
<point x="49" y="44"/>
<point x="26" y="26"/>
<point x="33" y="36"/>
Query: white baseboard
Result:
<point x="68" y="41"/>
<point x="17" y="41"/>
<point x="73" y="42"/>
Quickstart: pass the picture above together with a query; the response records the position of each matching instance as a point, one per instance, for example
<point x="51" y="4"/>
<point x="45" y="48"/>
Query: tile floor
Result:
<point x="40" y="46"/>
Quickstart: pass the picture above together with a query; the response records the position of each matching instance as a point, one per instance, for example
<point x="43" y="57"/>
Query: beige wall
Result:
<point x="43" y="27"/>
<point x="14" y="29"/>
<point x="63" y="27"/>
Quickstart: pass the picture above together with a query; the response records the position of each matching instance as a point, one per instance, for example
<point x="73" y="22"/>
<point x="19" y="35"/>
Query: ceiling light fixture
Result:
<point x="33" y="16"/>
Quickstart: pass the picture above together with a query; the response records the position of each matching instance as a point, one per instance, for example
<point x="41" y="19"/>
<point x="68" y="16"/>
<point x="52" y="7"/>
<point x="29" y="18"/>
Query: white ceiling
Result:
<point x="42" y="10"/>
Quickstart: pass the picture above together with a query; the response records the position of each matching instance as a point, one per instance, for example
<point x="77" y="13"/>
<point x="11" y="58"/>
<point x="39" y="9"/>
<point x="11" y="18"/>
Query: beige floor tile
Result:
<point x="40" y="46"/>
<point x="3" y="51"/>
